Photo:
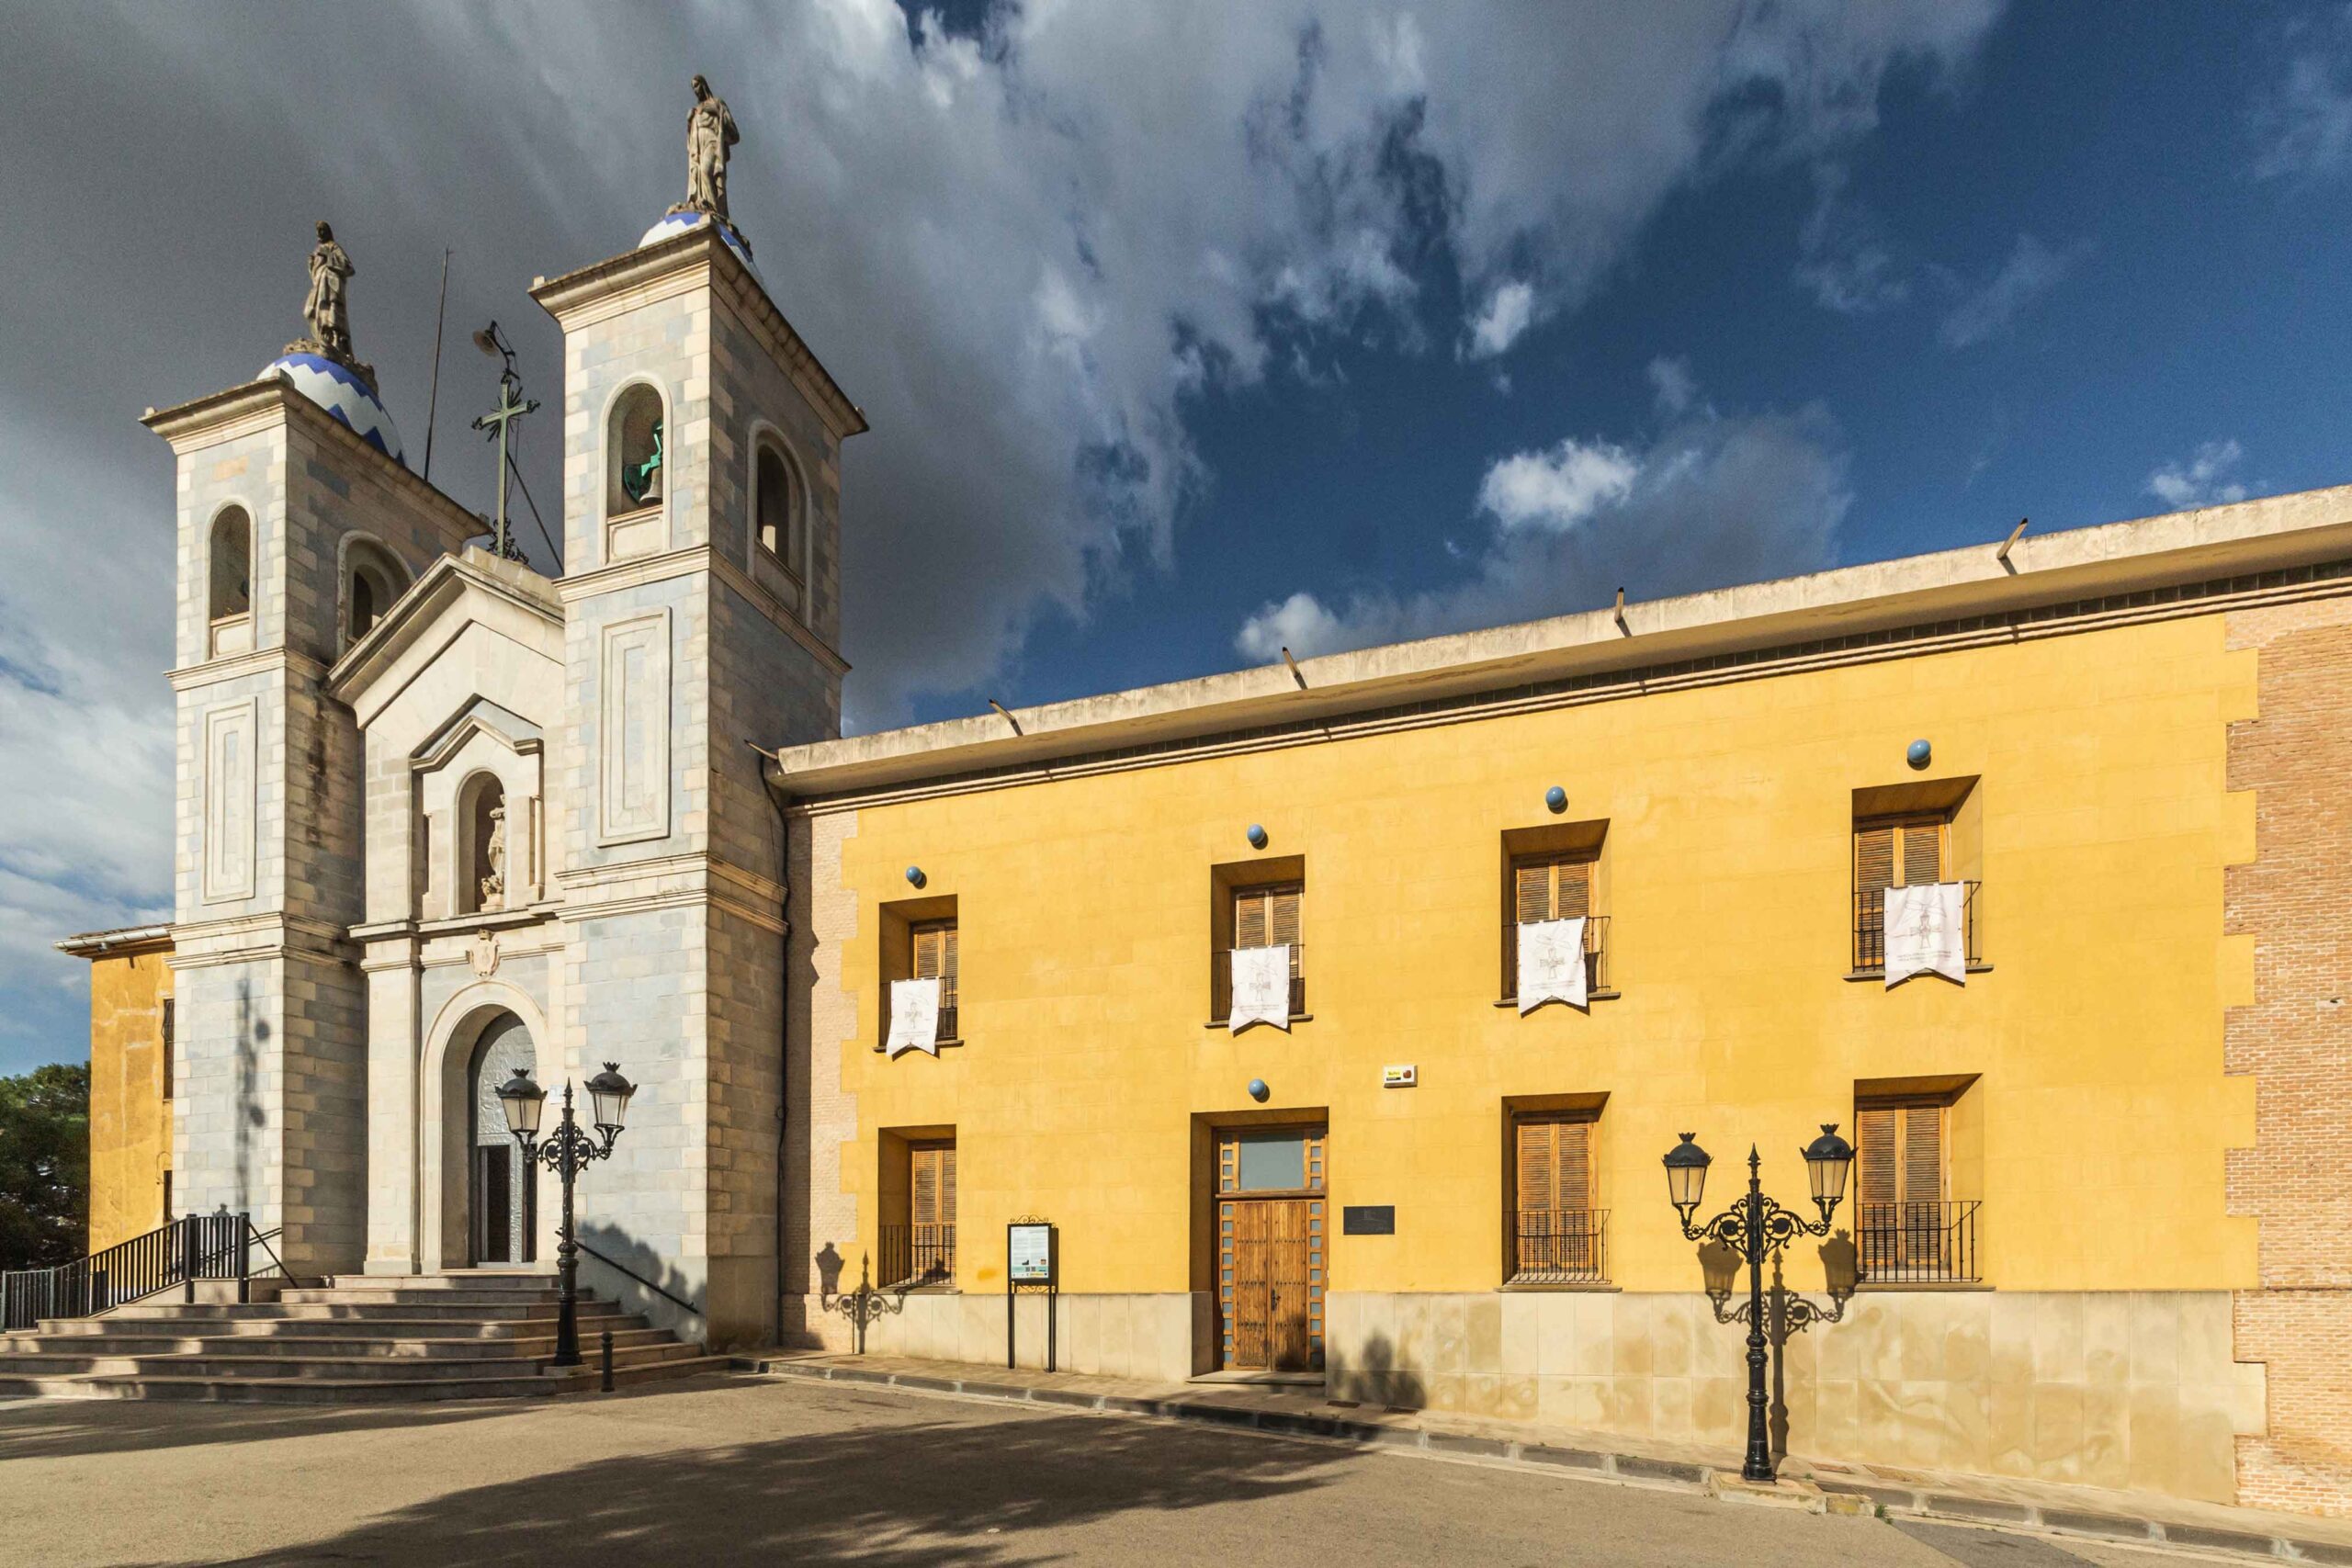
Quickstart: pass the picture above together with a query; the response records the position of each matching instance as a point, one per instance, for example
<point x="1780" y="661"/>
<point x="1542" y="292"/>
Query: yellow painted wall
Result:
<point x="131" y="1127"/>
<point x="2105" y="823"/>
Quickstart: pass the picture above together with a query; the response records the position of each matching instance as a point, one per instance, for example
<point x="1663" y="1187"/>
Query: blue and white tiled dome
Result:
<point x="678" y="223"/>
<point x="342" y="394"/>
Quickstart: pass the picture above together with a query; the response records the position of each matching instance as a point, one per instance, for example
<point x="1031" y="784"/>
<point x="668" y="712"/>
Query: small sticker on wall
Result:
<point x="1400" y="1075"/>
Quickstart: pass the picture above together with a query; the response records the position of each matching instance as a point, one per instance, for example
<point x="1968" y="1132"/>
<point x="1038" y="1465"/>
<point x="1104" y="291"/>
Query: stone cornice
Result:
<point x="698" y="258"/>
<point x="1850" y="607"/>
<point x="271" y="401"/>
<point x="188" y="677"/>
<point x="2324" y="580"/>
<point x="687" y="562"/>
<point x="245" y="938"/>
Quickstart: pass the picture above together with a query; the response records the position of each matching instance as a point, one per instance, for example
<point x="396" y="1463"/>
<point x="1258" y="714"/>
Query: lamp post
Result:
<point x="1754" y="1229"/>
<point x="565" y="1152"/>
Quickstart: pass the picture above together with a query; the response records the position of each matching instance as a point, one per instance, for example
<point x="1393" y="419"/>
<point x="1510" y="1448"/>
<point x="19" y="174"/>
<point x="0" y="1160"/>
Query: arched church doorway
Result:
<point x="501" y="1188"/>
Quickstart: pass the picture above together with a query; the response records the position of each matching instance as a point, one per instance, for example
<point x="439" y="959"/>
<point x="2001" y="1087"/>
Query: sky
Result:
<point x="1187" y="331"/>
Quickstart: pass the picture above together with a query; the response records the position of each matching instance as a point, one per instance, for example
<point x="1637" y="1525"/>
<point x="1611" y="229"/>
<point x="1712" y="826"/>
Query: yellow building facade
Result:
<point x="130" y="1066"/>
<point x="1424" y="1196"/>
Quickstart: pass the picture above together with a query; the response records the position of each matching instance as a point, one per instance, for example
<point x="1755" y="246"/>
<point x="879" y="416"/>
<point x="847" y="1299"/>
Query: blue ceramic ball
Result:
<point x="1258" y="1089"/>
<point x="1257" y="836"/>
<point x="1918" y="753"/>
<point x="914" y="875"/>
<point x="1557" y="798"/>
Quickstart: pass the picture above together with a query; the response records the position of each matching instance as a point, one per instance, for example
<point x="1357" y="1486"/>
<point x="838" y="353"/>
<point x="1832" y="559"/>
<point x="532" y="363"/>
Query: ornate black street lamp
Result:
<point x="1754" y="1229"/>
<point x="565" y="1152"/>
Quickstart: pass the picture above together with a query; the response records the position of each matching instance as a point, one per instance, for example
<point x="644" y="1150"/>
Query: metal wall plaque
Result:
<point x="1370" y="1219"/>
<point x="1029" y="1252"/>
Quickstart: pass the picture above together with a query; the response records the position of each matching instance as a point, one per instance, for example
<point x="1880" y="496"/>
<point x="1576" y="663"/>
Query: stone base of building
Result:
<point x="1154" y="1337"/>
<point x="2132" y="1390"/>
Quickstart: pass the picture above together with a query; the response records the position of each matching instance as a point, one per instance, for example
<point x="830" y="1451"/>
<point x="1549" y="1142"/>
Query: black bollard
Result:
<point x="605" y="1350"/>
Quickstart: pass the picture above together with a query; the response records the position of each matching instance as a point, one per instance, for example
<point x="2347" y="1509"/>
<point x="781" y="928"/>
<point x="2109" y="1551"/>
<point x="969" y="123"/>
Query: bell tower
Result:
<point x="297" y="523"/>
<point x="702" y="478"/>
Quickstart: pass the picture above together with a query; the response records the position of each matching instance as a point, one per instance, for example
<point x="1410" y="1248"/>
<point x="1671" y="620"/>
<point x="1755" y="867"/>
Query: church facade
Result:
<point x="1331" y="1018"/>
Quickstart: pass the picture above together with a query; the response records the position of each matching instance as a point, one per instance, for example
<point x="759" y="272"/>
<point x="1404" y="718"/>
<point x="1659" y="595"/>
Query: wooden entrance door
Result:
<point x="1269" y="1285"/>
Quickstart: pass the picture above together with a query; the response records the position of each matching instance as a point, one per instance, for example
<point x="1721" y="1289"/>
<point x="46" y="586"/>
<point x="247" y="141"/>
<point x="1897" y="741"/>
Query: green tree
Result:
<point x="45" y="1166"/>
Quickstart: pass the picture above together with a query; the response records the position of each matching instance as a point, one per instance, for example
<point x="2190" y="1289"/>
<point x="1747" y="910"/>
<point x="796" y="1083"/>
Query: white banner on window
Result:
<point x="1551" y="964"/>
<point x="914" y="1016"/>
<point x="1926" y="931"/>
<point x="1260" y="987"/>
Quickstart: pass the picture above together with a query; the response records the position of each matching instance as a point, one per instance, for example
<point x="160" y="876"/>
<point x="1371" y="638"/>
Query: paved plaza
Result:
<point x="727" y="1471"/>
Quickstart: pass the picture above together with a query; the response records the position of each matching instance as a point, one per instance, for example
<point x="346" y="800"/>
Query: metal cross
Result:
<point x="512" y="406"/>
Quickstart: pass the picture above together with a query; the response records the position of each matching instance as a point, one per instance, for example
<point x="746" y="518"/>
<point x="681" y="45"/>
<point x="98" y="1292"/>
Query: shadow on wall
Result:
<point x="1374" y="1377"/>
<point x="600" y="1275"/>
<point x="829" y="1272"/>
<point x="251" y="1034"/>
<point x="927" y="1492"/>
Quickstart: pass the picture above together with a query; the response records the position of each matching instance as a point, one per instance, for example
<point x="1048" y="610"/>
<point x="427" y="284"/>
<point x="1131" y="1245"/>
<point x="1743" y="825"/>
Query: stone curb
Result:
<point x="1843" y="1495"/>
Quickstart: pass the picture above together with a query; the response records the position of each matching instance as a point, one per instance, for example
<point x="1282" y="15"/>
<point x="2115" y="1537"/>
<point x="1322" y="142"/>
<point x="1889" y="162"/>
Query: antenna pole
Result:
<point x="432" y="399"/>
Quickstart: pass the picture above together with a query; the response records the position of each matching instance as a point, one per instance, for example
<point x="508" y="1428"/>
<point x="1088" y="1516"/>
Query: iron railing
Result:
<point x="1596" y="956"/>
<point x="1870" y="929"/>
<point x="617" y="1266"/>
<point x="914" y="1257"/>
<point x="1916" y="1244"/>
<point x="179" y="1252"/>
<point x="1221" y="982"/>
<point x="1559" y="1246"/>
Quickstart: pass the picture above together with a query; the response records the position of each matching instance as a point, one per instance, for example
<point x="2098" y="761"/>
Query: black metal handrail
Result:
<point x="1221" y="982"/>
<point x="1916" y="1244"/>
<point x="1870" y="928"/>
<point x="1596" y="956"/>
<point x="1559" y="1246"/>
<point x="916" y="1256"/>
<point x="618" y="1267"/>
<point x="178" y="1252"/>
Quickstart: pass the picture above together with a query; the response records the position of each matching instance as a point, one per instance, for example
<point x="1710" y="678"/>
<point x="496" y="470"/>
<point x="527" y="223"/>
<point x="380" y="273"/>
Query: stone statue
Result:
<point x="493" y="887"/>
<point x="710" y="134"/>
<point x="326" y="309"/>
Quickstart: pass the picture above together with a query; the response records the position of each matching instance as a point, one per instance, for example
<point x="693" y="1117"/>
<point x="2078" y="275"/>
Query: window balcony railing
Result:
<point x="1559" y="1246"/>
<point x="1870" y="929"/>
<point x="1221" y="983"/>
<point x="918" y="1257"/>
<point x="1596" y="957"/>
<point x="1916" y="1244"/>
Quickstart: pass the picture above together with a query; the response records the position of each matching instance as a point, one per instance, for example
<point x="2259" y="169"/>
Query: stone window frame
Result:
<point x="350" y="553"/>
<point x="608" y="475"/>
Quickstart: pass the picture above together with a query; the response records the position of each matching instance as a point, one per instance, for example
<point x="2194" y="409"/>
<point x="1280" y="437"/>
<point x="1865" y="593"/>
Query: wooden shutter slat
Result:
<point x="1876" y="1178"/>
<point x="1533" y="894"/>
<point x="1536" y="1166"/>
<point x="1572" y="1188"/>
<point x="1574" y="900"/>
<point x="1873" y="857"/>
<point x="1283" y="920"/>
<point x="923" y="1202"/>
<point x="1922" y="1153"/>
<point x="1249" y="918"/>
<point x="1923" y="844"/>
<point x="926" y="953"/>
<point x="947" y="1186"/>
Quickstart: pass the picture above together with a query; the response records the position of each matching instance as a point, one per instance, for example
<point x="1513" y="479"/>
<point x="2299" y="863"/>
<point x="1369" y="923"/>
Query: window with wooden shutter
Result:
<point x="1556" y="1229"/>
<point x="931" y="1205"/>
<point x="934" y="959"/>
<point x="1897" y="851"/>
<point x="1555" y="887"/>
<point x="1268" y="917"/>
<point x="1900" y="1186"/>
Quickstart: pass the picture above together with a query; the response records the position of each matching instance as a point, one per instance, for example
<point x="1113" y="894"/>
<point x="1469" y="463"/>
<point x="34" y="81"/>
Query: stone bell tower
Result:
<point x="297" y="523"/>
<point x="702" y="448"/>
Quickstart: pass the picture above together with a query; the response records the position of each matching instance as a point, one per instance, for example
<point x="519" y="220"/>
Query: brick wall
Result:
<point x="2295" y="900"/>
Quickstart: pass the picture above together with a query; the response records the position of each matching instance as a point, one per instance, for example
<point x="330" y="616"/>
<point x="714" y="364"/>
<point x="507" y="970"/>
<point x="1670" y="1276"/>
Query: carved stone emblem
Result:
<point x="485" y="954"/>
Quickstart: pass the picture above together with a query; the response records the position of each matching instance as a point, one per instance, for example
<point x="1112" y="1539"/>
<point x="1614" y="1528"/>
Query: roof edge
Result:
<point x="122" y="942"/>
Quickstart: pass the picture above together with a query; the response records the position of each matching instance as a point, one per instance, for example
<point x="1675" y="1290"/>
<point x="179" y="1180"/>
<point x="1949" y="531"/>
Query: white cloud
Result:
<point x="1672" y="386"/>
<point x="1299" y="623"/>
<point x="2200" y="482"/>
<point x="1843" y="258"/>
<point x="1556" y="490"/>
<point x="1510" y="311"/>
<point x="2302" y="123"/>
<point x="1714" y="500"/>
<point x="1991" y="308"/>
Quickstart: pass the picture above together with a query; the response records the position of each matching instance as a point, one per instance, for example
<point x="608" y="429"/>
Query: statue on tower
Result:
<point x="326" y="310"/>
<point x="710" y="135"/>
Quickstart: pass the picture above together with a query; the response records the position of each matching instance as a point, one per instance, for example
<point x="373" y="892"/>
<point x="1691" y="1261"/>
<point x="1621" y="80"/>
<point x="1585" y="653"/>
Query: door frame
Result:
<point x="1216" y="1200"/>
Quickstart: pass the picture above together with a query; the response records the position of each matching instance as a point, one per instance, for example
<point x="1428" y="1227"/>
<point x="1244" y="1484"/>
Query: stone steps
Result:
<point x="363" y="1339"/>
